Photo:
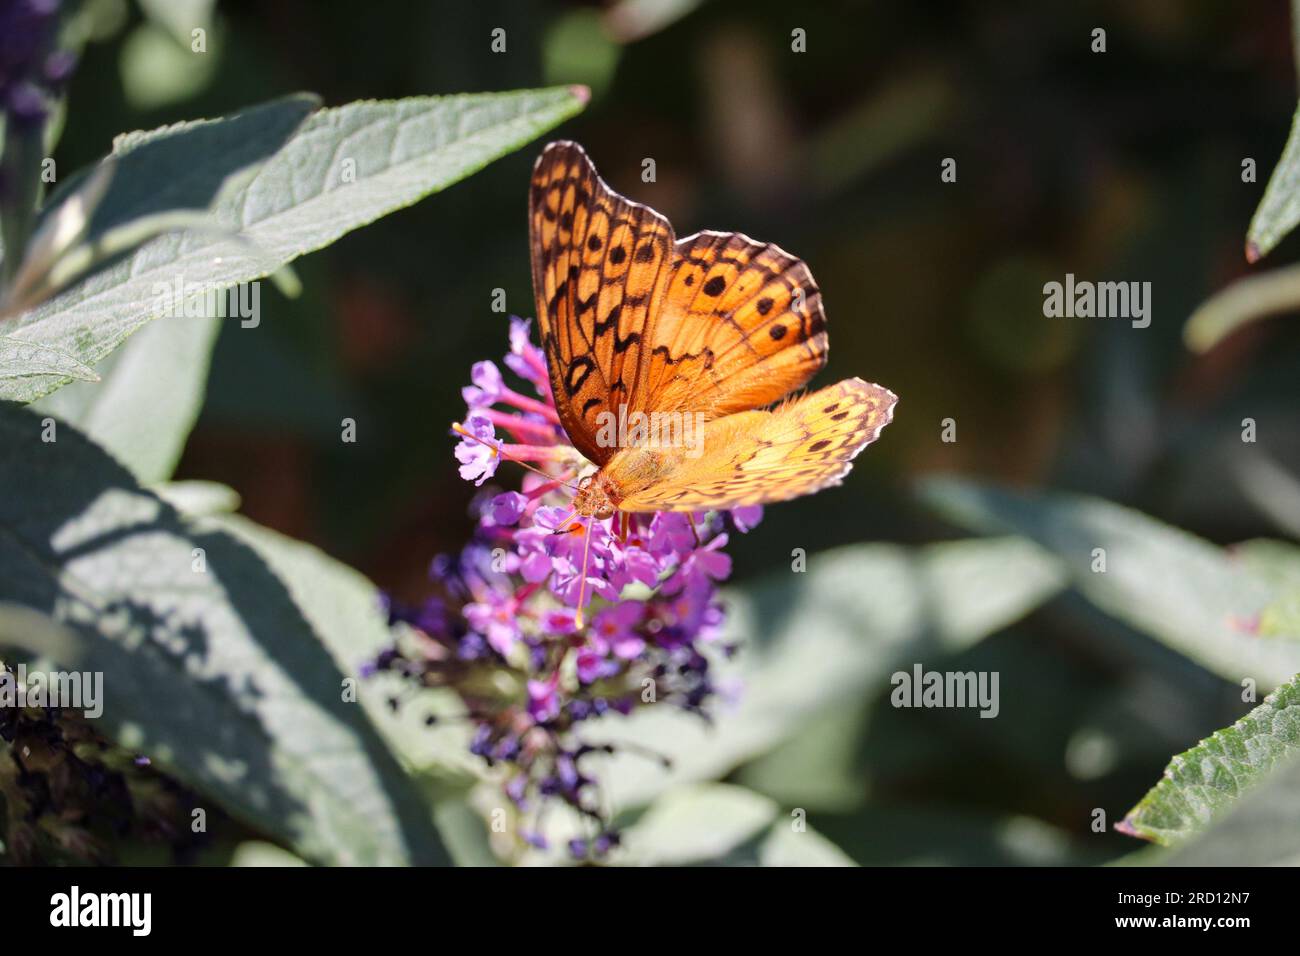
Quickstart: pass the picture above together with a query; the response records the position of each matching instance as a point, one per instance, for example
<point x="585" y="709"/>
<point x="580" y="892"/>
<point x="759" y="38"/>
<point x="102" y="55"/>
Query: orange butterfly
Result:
<point x="687" y="340"/>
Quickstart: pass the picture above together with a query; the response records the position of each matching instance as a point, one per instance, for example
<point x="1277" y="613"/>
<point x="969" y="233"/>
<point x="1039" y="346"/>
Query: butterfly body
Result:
<point x="597" y="497"/>
<point x="693" y="340"/>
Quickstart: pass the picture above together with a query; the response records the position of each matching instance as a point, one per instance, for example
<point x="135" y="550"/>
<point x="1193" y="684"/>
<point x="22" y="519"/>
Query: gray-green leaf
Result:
<point x="1165" y="582"/>
<point x="22" y="360"/>
<point x="1261" y="829"/>
<point x="1279" y="210"/>
<point x="1202" y="782"/>
<point x="149" y="396"/>
<point x="345" y="611"/>
<point x="1244" y="301"/>
<point x="819" y="640"/>
<point x="721" y="824"/>
<point x="294" y="192"/>
<point x="209" y="666"/>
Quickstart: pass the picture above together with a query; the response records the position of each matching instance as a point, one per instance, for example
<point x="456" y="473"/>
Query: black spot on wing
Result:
<point x="579" y="369"/>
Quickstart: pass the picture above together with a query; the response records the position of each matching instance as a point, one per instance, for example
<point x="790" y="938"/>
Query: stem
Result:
<point x="20" y="185"/>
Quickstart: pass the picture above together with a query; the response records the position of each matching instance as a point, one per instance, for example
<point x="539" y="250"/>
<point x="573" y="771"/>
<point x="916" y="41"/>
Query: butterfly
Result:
<point x="711" y="332"/>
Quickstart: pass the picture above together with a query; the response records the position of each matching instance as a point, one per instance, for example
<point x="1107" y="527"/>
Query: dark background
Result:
<point x="1117" y="166"/>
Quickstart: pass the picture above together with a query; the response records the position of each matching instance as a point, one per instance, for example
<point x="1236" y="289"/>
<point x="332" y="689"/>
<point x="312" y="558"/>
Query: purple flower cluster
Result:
<point x="503" y="628"/>
<point x="31" y="69"/>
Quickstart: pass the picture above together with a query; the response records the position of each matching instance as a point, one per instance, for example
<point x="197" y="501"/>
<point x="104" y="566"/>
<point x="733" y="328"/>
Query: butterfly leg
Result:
<point x="578" y="620"/>
<point x="691" y="518"/>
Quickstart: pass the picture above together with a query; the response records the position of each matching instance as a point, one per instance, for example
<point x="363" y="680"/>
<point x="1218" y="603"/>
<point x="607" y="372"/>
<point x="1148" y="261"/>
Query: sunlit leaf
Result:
<point x="276" y="187"/>
<point x="1260" y="829"/>
<point x="346" y="613"/>
<point x="211" y="666"/>
<point x="147" y="398"/>
<point x="1184" y="591"/>
<point x="19" y="360"/>
<point x="1203" y="782"/>
<point x="719" y="824"/>
<point x="1279" y="210"/>
<point x="819" y="640"/>
<point x="1243" y="302"/>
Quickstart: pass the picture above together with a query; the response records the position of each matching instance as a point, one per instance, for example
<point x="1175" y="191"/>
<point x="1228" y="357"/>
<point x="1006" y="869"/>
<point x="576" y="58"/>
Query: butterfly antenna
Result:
<point x="694" y="531"/>
<point x="460" y="429"/>
<point x="582" y="587"/>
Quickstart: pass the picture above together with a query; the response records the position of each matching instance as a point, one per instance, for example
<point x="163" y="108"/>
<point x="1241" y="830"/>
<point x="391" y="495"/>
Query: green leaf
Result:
<point x="171" y="171"/>
<point x="21" y="153"/>
<point x="1262" y="829"/>
<point x="820" y="768"/>
<point x="149" y="396"/>
<point x="465" y="833"/>
<point x="812" y="644"/>
<point x="345" y="612"/>
<point x="1282" y="615"/>
<point x="281" y="196"/>
<point x="258" y="853"/>
<point x="1242" y="302"/>
<point x="1271" y="489"/>
<point x="1184" y="591"/>
<point x="198" y="498"/>
<point x="817" y="641"/>
<point x="697" y="823"/>
<point x="786" y="846"/>
<point x="1204" y="781"/>
<point x="1277" y="562"/>
<point x="210" y="667"/>
<point x="159" y="69"/>
<point x="20" y="360"/>
<point x="722" y="824"/>
<point x="180" y="17"/>
<point x="1279" y="210"/>
<point x="37" y="633"/>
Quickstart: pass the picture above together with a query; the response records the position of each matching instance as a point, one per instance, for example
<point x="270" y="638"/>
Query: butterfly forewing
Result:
<point x="599" y="264"/>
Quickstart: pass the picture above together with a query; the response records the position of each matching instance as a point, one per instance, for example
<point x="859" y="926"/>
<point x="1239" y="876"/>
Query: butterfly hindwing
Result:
<point x="599" y="262"/>
<point x="760" y="457"/>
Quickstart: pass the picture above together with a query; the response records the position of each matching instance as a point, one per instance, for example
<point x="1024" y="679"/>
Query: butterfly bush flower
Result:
<point x="32" y="71"/>
<point x="503" y="629"/>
